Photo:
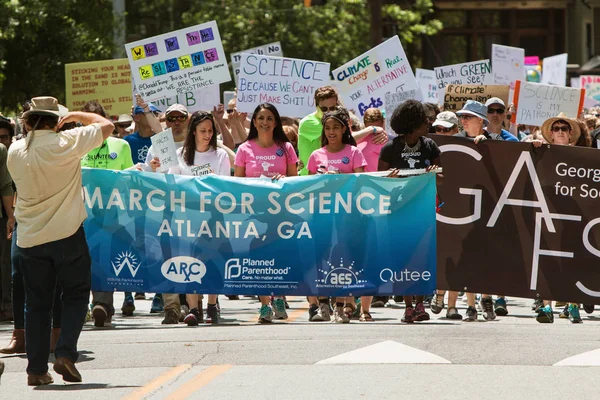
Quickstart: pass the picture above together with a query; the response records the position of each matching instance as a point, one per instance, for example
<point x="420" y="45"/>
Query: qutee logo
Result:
<point x="341" y="275"/>
<point x="126" y="259"/>
<point x="183" y="269"/>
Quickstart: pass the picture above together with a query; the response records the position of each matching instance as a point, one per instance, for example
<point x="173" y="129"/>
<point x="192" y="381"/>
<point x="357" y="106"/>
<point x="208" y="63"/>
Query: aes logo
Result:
<point x="183" y="269"/>
<point x="340" y="275"/>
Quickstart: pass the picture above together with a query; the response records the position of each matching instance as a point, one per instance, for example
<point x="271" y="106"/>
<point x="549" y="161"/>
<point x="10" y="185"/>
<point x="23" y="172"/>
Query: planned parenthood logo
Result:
<point x="126" y="259"/>
<point x="340" y="276"/>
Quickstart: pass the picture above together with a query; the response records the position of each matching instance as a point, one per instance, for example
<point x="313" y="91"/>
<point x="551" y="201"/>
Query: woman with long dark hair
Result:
<point x="267" y="152"/>
<point x="200" y="156"/>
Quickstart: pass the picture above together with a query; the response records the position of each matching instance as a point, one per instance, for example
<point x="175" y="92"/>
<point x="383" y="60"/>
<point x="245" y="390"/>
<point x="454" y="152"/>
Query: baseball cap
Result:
<point x="139" y="110"/>
<point x="180" y="108"/>
<point x="494" y="100"/>
<point x="447" y="119"/>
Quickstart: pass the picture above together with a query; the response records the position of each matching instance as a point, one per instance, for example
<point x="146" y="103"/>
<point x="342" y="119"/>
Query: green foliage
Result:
<point x="38" y="37"/>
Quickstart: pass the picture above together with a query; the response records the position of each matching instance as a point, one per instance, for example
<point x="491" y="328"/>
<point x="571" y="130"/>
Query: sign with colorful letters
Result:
<point x="287" y="83"/>
<point x="182" y="61"/>
<point x="364" y="81"/>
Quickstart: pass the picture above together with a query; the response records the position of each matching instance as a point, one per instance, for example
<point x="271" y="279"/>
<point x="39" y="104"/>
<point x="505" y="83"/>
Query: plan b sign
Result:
<point x="178" y="62"/>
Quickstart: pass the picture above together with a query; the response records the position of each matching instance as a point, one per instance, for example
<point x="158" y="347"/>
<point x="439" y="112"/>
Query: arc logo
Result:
<point x="233" y="268"/>
<point x="183" y="269"/>
<point x="340" y="275"/>
<point x="126" y="259"/>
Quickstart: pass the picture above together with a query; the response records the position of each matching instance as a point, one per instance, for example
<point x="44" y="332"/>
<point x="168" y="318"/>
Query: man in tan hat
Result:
<point x="123" y="122"/>
<point x="561" y="130"/>
<point x="51" y="244"/>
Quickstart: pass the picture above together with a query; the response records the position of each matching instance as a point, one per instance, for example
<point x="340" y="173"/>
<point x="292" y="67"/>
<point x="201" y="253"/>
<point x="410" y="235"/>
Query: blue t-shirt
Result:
<point x="139" y="147"/>
<point x="506" y="135"/>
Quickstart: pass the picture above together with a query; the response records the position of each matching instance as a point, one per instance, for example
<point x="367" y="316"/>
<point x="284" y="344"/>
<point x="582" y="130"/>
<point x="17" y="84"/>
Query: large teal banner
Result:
<point x="327" y="235"/>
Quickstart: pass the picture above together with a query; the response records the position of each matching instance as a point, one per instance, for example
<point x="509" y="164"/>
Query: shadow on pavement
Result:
<point x="80" y="386"/>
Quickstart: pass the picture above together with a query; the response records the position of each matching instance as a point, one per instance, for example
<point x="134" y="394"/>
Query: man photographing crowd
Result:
<point x="51" y="244"/>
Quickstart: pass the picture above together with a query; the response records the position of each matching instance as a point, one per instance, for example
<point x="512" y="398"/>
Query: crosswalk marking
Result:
<point x="587" y="359"/>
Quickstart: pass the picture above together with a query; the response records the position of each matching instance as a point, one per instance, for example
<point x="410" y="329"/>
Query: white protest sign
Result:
<point x="163" y="147"/>
<point x="287" y="83"/>
<point x="272" y="49"/>
<point x="201" y="100"/>
<point x="576" y="82"/>
<point x="536" y="102"/>
<point x="364" y="81"/>
<point x="554" y="70"/>
<point x="428" y="84"/>
<point x="392" y="101"/>
<point x="591" y="84"/>
<point x="508" y="65"/>
<point x="178" y="62"/>
<point x="471" y="73"/>
<point x="228" y="95"/>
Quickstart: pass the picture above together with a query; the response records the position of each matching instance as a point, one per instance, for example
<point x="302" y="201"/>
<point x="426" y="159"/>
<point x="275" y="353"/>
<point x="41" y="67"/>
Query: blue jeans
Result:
<point x="68" y="262"/>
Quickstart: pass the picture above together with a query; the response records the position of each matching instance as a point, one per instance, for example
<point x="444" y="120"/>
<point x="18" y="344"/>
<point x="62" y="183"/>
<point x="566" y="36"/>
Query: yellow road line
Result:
<point x="158" y="382"/>
<point x="199" y="381"/>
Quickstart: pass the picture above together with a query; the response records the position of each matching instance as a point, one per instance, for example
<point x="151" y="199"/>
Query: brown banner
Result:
<point x="457" y="95"/>
<point x="519" y="221"/>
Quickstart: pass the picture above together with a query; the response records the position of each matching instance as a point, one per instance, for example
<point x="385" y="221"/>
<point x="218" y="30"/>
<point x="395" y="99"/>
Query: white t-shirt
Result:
<point x="209" y="162"/>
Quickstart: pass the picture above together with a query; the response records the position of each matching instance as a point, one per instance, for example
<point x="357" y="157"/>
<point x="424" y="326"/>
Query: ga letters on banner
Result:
<point x="519" y="221"/>
<point x="331" y="235"/>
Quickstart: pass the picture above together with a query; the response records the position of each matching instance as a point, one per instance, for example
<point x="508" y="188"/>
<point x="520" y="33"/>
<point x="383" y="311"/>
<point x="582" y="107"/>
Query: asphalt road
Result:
<point x="513" y="357"/>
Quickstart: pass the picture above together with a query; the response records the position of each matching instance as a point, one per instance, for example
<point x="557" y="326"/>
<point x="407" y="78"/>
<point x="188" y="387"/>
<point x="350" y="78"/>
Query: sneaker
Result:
<point x="128" y="306"/>
<point x="185" y="310"/>
<point x="427" y="300"/>
<point x="287" y="305"/>
<point x="313" y="310"/>
<point x="266" y="314"/>
<point x="278" y="305"/>
<point x="193" y="318"/>
<point x="420" y="313"/>
<point x="500" y="307"/>
<point x="588" y="308"/>
<point x="409" y="315"/>
<point x="99" y="313"/>
<point x="171" y="317"/>
<point x="437" y="304"/>
<point x="487" y="308"/>
<point x="545" y="315"/>
<point x="398" y="299"/>
<point x="560" y="304"/>
<point x="339" y="316"/>
<point x="140" y="296"/>
<point x="471" y="315"/>
<point x="325" y="312"/>
<point x="379" y="301"/>
<point x="452" y="313"/>
<point x="537" y="304"/>
<point x="574" y="316"/>
<point x="565" y="312"/>
<point x="212" y="314"/>
<point x="158" y="305"/>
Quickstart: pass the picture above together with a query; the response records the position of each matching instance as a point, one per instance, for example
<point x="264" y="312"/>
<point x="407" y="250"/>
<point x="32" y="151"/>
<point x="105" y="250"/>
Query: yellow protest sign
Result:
<point x="108" y="82"/>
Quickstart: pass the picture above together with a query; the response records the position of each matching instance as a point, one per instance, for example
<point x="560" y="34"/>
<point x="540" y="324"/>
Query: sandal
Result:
<point x="349" y="310"/>
<point x="437" y="305"/>
<point x="366" y="317"/>
<point x="452" y="313"/>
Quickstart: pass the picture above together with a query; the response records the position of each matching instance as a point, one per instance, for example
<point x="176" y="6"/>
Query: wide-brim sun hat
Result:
<point x="46" y="105"/>
<point x="547" y="126"/>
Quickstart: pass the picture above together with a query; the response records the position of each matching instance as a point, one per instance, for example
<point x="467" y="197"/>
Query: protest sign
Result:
<point x="163" y="147"/>
<point x="108" y="82"/>
<point x="287" y="83"/>
<point x="213" y="234"/>
<point x="575" y="82"/>
<point x="536" y="102"/>
<point x="530" y="213"/>
<point x="471" y="73"/>
<point x="456" y="96"/>
<point x="591" y="84"/>
<point x="272" y="49"/>
<point x="554" y="70"/>
<point x="227" y="97"/>
<point x="532" y="60"/>
<point x="428" y="84"/>
<point x="392" y="101"/>
<point x="201" y="100"/>
<point x="178" y="62"/>
<point x="508" y="65"/>
<point x="364" y="81"/>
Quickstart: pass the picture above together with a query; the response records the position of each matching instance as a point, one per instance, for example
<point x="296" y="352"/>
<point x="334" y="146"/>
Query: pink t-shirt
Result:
<point x="371" y="153"/>
<point x="344" y="161"/>
<point x="259" y="161"/>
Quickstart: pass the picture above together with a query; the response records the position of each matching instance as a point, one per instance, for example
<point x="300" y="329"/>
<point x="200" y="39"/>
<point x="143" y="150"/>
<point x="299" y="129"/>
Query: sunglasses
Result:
<point x="496" y="110"/>
<point x="564" y="128"/>
<point x="325" y="109"/>
<point x="181" y="118"/>
<point x="442" y="129"/>
<point x="466" y="116"/>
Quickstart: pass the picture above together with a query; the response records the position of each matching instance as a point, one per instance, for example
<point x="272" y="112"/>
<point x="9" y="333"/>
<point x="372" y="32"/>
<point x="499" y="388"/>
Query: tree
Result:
<point x="334" y="32"/>
<point x="38" y="37"/>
